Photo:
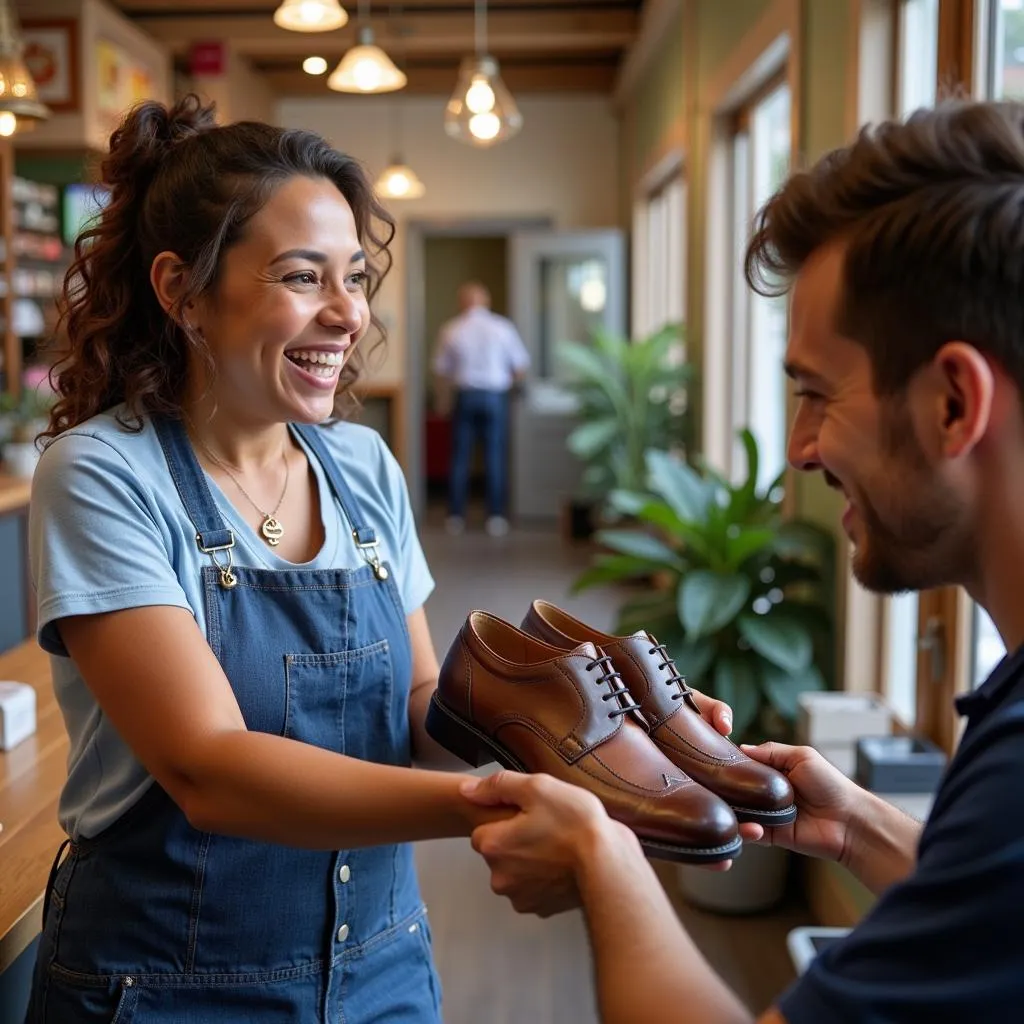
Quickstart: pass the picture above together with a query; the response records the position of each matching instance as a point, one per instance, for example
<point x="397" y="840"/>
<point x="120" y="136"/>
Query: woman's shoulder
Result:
<point x="114" y="428"/>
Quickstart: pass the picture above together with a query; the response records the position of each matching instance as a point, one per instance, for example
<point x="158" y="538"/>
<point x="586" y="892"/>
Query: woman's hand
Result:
<point x="535" y="856"/>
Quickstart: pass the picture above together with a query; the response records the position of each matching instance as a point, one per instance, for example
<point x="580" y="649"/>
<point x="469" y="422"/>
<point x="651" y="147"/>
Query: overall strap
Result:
<point x="362" y="533"/>
<point x="212" y="535"/>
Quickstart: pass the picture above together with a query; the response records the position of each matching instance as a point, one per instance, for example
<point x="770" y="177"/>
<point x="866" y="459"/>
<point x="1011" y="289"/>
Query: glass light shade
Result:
<point x="17" y="87"/>
<point x="366" y="68"/>
<point x="481" y="111"/>
<point x="310" y="15"/>
<point x="399" y="181"/>
<point x="314" y="65"/>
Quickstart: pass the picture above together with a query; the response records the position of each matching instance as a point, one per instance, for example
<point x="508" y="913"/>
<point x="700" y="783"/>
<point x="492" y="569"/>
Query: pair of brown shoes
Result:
<point x="611" y="714"/>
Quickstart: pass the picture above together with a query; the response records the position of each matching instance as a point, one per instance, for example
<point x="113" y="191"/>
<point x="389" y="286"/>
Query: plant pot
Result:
<point x="755" y="882"/>
<point x="21" y="458"/>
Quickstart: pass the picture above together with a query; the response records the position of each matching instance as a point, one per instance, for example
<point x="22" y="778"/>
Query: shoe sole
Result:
<point x="465" y="741"/>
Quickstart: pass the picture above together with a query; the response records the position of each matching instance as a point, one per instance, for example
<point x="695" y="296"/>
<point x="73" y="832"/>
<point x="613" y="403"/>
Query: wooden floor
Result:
<point x="499" y="967"/>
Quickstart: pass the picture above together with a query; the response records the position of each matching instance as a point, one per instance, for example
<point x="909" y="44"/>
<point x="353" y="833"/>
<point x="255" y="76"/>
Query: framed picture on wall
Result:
<point x="51" y="54"/>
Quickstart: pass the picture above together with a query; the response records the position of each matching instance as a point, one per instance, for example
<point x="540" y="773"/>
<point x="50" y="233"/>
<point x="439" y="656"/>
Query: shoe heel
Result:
<point x="444" y="728"/>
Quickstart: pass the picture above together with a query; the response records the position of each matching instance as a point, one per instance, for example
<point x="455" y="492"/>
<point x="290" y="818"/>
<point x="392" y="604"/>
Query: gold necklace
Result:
<point x="271" y="527"/>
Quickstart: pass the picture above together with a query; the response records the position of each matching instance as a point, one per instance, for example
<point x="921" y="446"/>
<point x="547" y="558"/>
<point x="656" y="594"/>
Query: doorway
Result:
<point x="449" y="262"/>
<point x="440" y="255"/>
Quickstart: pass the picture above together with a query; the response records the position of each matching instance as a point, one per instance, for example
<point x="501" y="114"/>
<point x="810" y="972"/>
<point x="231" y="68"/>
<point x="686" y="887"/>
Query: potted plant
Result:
<point x="745" y="612"/>
<point x="26" y="419"/>
<point x="631" y="397"/>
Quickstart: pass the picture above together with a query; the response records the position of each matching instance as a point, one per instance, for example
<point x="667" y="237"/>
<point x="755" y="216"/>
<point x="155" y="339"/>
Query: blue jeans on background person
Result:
<point x="479" y="415"/>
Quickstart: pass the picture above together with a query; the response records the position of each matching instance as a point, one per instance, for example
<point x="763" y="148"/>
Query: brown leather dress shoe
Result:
<point x="505" y="696"/>
<point x="753" y="790"/>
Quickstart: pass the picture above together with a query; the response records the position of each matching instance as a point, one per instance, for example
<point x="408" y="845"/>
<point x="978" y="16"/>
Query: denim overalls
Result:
<point x="154" y="922"/>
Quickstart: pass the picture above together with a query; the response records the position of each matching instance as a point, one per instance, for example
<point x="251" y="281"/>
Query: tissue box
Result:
<point x="833" y="718"/>
<point x="17" y="713"/>
<point x="899" y="764"/>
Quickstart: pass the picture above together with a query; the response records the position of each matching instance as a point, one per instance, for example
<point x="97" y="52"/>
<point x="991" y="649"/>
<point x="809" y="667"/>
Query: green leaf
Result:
<point x="804" y="541"/>
<point x="590" y="438"/>
<point x="778" y="638"/>
<point x="783" y="688"/>
<point x="611" y="569"/>
<point x="684" y="490"/>
<point x="710" y="600"/>
<point x="735" y="682"/>
<point x="654" y="612"/>
<point x="692" y="658"/>
<point x="629" y="503"/>
<point x="640" y="545"/>
<point x="746" y="544"/>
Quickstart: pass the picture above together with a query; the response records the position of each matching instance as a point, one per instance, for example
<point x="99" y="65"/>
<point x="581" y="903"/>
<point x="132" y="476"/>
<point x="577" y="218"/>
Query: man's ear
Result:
<point x="965" y="389"/>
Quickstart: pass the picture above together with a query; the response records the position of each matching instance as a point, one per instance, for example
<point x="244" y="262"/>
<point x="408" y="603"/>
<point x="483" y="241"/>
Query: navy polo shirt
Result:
<point x="946" y="944"/>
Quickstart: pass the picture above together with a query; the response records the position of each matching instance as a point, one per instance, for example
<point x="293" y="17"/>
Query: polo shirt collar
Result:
<point x="991" y="692"/>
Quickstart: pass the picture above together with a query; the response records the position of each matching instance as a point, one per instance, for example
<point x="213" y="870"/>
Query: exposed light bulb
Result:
<point x="366" y="73"/>
<point x="8" y="124"/>
<point x="314" y="65"/>
<point x="310" y="12"/>
<point x="398" y="184"/>
<point x="485" y="126"/>
<point x="480" y="96"/>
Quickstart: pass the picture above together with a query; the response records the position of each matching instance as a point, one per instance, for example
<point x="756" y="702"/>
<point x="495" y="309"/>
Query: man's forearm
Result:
<point x="647" y="968"/>
<point x="882" y="845"/>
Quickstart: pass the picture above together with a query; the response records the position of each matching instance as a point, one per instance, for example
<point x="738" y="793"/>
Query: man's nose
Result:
<point x="802" y="451"/>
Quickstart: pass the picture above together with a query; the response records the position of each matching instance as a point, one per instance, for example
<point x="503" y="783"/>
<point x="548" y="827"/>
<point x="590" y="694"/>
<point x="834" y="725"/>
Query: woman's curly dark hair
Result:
<point x="181" y="183"/>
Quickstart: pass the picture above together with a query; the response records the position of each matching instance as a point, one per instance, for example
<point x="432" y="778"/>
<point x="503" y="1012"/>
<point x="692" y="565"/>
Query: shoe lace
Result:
<point x="675" y="677"/>
<point x="617" y="689"/>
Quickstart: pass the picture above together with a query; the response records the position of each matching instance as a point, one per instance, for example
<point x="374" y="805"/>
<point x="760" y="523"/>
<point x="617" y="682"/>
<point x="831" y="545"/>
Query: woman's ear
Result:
<point x="169" y="277"/>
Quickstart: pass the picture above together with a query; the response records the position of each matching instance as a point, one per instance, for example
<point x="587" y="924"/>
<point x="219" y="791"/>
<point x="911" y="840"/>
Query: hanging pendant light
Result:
<point x="399" y="181"/>
<point x="310" y="15"/>
<point x="481" y="110"/>
<point x="366" y="68"/>
<point x="19" y="101"/>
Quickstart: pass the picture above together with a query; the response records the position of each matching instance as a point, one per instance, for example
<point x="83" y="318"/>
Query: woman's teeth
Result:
<point x="319" y="364"/>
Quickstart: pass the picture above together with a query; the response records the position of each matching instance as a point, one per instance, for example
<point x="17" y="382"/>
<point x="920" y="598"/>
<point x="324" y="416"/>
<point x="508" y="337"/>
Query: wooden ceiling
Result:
<point x="542" y="45"/>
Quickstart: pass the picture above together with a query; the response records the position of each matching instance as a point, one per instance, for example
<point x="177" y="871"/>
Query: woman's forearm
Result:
<point x="266" y="787"/>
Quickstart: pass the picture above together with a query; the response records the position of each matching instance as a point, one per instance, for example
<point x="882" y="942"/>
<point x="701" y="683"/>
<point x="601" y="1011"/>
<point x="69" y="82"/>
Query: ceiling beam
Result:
<point x="440" y="81"/>
<point x="549" y="31"/>
<point x="163" y="8"/>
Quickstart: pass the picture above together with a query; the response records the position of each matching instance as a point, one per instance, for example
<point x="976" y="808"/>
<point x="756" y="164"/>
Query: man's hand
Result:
<point x="827" y="803"/>
<point x="535" y="857"/>
<point x="717" y="712"/>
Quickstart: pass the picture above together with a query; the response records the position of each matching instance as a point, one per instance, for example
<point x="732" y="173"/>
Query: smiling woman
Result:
<point x="231" y="587"/>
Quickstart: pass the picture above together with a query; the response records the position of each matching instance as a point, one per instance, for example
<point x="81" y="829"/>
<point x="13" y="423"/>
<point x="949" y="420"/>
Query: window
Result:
<point x="659" y="272"/>
<point x="1005" y="45"/>
<point x="918" y="63"/>
<point x="760" y="155"/>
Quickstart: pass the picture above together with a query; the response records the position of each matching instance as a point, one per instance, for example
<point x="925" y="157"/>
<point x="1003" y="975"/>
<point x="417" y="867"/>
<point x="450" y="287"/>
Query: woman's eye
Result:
<point x="303" y="277"/>
<point x="359" y="278"/>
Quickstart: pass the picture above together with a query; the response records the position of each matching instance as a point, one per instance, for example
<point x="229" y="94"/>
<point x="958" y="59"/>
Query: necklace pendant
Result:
<point x="272" y="531"/>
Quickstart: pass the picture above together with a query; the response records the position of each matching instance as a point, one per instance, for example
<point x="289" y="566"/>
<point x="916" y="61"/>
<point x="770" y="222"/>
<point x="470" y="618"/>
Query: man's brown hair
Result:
<point x="931" y="214"/>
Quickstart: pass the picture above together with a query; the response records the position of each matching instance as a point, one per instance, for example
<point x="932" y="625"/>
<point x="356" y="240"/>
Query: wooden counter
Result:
<point x="31" y="777"/>
<point x="14" y="493"/>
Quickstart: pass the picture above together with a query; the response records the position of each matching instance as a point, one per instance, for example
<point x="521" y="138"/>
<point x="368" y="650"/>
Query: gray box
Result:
<point x="899" y="764"/>
<point x="832" y="718"/>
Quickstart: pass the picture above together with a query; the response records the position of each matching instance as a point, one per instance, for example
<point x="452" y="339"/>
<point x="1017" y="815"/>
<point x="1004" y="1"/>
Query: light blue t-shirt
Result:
<point x="108" y="531"/>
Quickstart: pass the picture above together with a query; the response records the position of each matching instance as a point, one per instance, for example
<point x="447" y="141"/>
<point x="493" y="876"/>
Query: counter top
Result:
<point x="31" y="777"/>
<point x="14" y="493"/>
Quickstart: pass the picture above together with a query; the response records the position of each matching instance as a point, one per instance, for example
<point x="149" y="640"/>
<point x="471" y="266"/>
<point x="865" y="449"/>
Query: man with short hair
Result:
<point x="482" y="354"/>
<point x="904" y="257"/>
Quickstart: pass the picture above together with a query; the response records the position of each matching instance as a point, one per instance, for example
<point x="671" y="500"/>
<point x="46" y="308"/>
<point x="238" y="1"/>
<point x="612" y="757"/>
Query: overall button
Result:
<point x="344" y="873"/>
<point x="343" y="933"/>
